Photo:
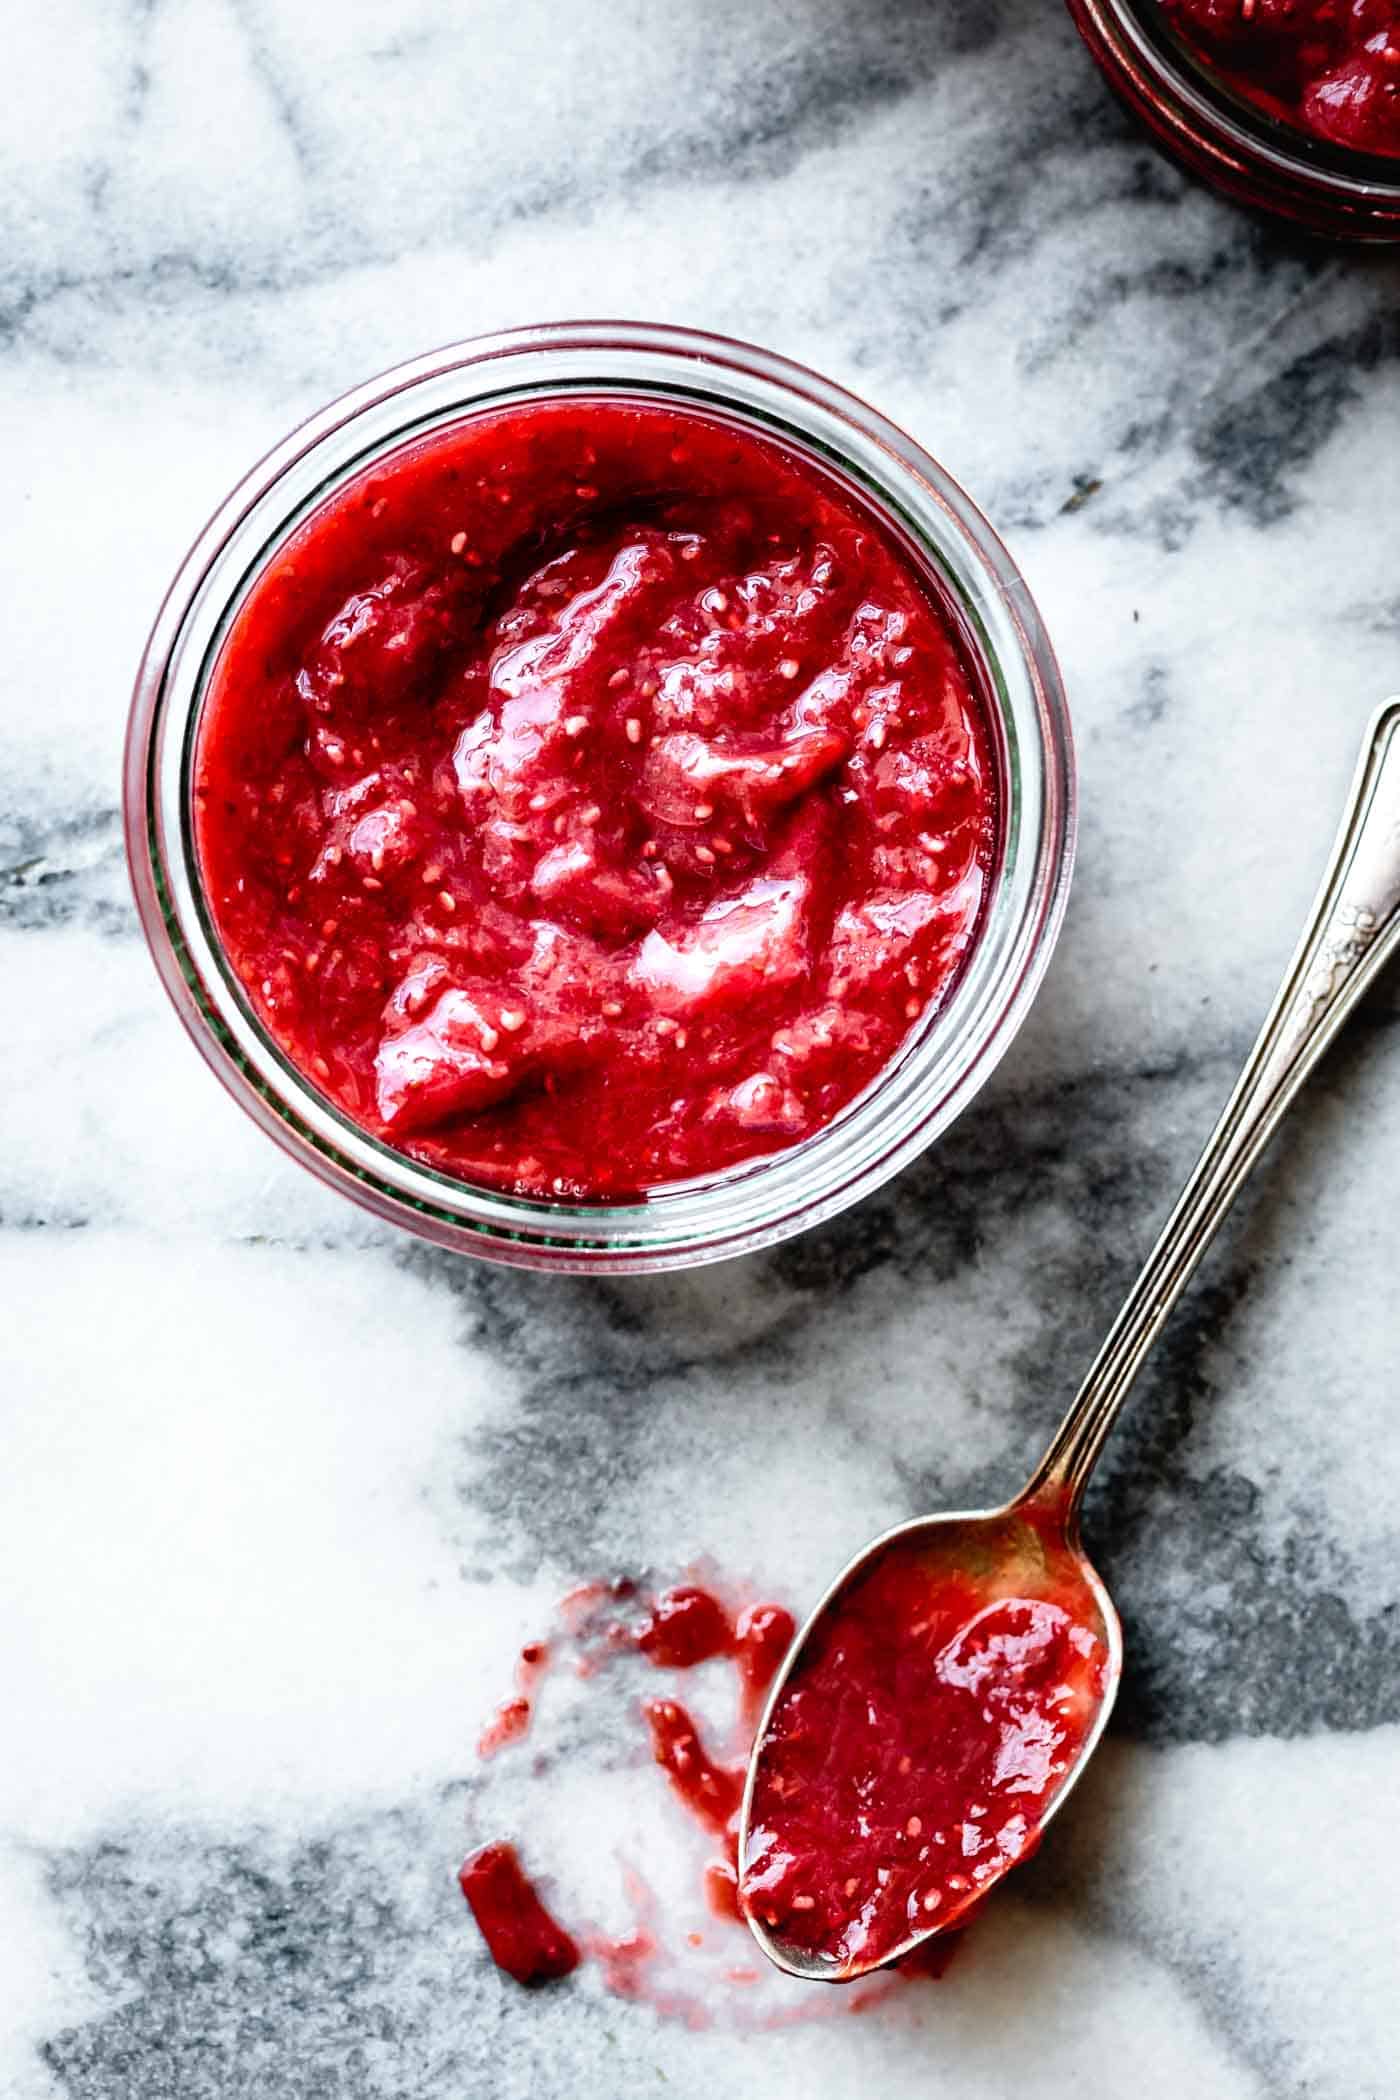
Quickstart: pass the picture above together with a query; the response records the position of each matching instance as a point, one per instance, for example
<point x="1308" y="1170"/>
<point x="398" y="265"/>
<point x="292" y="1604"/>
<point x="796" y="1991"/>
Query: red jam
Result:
<point x="512" y="1717"/>
<point x="591" y="796"/>
<point x="686" y="1626"/>
<point x="523" y="1938"/>
<point x="678" y="1630"/>
<point x="1327" y="67"/>
<point x="910" y="1761"/>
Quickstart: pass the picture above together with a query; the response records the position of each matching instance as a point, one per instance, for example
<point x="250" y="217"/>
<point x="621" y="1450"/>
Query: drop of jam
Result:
<point x="712" y="1792"/>
<point x="722" y="1889"/>
<point x="762" y="1636"/>
<point x="512" y="1717"/>
<point x="523" y="1938"/>
<point x="578" y="821"/>
<point x="686" y="1626"/>
<point x="510" y="1721"/>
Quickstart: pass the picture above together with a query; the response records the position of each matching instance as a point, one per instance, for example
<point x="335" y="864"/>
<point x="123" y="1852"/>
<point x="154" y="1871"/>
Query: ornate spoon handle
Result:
<point x="1351" y="933"/>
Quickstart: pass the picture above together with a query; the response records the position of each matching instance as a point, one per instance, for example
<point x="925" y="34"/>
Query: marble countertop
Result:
<point x="284" y="1491"/>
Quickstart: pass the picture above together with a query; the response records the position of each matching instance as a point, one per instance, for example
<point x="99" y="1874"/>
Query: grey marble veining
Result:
<point x="283" y="1492"/>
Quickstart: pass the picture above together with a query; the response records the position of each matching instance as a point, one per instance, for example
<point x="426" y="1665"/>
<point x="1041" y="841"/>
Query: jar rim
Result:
<point x="945" y="1057"/>
<point x="1228" y="126"/>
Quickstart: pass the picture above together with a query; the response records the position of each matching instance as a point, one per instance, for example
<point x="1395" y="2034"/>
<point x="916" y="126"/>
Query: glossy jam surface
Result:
<point x="1328" y="67"/>
<point x="911" y="1758"/>
<point x="689" y="1960"/>
<point x="591" y="796"/>
<point x="523" y="1938"/>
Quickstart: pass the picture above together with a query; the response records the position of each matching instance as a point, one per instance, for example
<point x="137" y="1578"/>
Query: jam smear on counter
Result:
<point x="911" y="1758"/>
<point x="592" y="795"/>
<point x="679" y="1629"/>
<point x="1330" y="68"/>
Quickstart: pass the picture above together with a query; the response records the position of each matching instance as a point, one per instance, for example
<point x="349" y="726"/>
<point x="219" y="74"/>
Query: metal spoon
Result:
<point x="1351" y="933"/>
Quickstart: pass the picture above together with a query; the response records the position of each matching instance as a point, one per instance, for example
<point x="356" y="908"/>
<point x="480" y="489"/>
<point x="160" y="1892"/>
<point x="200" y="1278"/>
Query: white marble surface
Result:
<point x="282" y="1491"/>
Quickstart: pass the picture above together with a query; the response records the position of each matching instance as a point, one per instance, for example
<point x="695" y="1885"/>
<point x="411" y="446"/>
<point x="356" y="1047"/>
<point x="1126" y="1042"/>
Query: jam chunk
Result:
<point x="593" y="795"/>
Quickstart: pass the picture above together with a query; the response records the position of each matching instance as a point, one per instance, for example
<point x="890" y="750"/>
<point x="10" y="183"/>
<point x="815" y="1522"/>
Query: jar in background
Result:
<point x="1254" y="157"/>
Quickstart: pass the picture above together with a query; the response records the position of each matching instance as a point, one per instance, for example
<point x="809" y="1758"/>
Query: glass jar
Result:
<point x="945" y="1058"/>
<point x="1255" y="158"/>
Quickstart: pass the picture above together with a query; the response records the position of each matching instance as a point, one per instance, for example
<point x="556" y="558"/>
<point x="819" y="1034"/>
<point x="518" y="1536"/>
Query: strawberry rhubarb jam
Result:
<point x="1328" y="67"/>
<point x="912" y="1756"/>
<point x="593" y="795"/>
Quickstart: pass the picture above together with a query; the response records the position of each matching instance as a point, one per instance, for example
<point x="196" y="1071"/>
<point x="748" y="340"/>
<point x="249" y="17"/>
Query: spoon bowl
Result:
<point x="1023" y="1553"/>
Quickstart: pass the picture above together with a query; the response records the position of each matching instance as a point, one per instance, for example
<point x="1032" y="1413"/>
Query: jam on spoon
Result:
<point x="950" y="1687"/>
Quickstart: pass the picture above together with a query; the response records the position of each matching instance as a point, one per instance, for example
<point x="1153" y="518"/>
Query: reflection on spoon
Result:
<point x="947" y="1692"/>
